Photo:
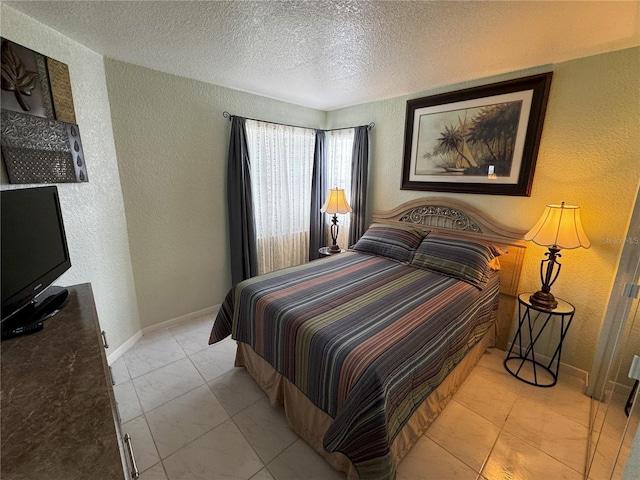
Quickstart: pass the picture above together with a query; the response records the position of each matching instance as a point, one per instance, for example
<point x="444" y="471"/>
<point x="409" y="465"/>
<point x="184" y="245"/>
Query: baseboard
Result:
<point x="160" y="326"/>
<point x="117" y="353"/>
<point x="621" y="388"/>
<point x="564" y="367"/>
<point x="178" y="320"/>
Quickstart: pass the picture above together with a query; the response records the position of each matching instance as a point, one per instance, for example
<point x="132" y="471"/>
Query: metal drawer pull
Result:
<point x="119" y="416"/>
<point x="134" y="468"/>
<point x="113" y="382"/>
<point x="104" y="339"/>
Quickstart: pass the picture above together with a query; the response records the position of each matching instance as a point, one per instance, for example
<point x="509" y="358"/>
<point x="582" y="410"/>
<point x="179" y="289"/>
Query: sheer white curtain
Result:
<point x="281" y="168"/>
<point x="339" y="147"/>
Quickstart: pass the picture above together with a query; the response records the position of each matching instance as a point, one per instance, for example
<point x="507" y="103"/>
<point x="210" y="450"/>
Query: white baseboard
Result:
<point x="117" y="353"/>
<point x="621" y="388"/>
<point x="160" y="326"/>
<point x="178" y="320"/>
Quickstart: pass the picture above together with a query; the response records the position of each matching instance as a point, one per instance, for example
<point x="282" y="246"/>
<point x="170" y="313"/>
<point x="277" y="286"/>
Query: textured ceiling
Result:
<point x="330" y="54"/>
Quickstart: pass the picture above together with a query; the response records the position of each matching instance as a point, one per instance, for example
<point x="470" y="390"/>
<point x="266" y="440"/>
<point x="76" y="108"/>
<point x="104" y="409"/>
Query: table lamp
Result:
<point x="336" y="203"/>
<point x="559" y="227"/>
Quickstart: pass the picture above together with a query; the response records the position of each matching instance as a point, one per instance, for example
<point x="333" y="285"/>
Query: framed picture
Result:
<point x="478" y="140"/>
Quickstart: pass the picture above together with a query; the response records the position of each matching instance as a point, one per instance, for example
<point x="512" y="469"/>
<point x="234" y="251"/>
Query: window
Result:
<point x="281" y="159"/>
<point x="339" y="148"/>
<point x="281" y="169"/>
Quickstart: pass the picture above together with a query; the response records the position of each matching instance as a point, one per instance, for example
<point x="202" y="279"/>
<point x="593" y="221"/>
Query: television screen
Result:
<point x="33" y="244"/>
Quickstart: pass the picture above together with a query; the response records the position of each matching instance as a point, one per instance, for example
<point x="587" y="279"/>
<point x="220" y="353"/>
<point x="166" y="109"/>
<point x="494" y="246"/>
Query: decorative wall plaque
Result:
<point x="40" y="139"/>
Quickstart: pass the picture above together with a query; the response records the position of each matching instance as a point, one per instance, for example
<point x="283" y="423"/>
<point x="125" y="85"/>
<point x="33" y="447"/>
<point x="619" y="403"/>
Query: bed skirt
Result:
<point x="311" y="423"/>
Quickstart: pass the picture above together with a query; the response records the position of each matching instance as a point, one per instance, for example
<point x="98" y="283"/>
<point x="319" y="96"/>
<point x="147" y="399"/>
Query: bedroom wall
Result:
<point x="589" y="155"/>
<point x="93" y="212"/>
<point x="172" y="144"/>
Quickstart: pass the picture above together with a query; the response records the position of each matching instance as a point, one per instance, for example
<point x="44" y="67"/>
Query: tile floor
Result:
<point x="610" y="421"/>
<point x="193" y="416"/>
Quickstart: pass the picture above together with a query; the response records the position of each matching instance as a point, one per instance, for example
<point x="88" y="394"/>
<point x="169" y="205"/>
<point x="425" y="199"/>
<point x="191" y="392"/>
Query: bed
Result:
<point x="365" y="348"/>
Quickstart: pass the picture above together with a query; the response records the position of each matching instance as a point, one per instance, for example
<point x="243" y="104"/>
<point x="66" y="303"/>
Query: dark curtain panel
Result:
<point x="359" y="174"/>
<point x="242" y="227"/>
<point x="318" y="227"/>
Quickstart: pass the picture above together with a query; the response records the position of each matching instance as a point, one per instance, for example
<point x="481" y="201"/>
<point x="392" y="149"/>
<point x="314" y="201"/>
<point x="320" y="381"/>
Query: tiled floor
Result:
<point x="192" y="416"/>
<point x="609" y="424"/>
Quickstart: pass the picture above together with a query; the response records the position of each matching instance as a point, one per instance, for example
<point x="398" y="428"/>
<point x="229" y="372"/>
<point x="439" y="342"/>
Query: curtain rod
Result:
<point x="226" y="114"/>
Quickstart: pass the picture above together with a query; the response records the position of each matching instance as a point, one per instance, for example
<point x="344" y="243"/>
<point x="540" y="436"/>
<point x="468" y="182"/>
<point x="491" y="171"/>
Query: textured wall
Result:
<point x="93" y="212"/>
<point x="589" y="155"/>
<point x="172" y="143"/>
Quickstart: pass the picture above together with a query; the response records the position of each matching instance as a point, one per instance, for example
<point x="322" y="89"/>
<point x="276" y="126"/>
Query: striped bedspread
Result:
<point x="366" y="339"/>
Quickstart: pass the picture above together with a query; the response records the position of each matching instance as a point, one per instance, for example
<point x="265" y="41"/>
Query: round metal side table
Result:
<point x="521" y="361"/>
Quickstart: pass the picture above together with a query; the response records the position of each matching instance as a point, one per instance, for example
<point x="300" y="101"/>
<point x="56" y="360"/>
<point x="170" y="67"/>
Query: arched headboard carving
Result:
<point x="440" y="213"/>
<point x="446" y="213"/>
<point x="440" y="216"/>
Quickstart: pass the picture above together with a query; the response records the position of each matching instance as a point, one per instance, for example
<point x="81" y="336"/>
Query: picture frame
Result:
<point x="481" y="140"/>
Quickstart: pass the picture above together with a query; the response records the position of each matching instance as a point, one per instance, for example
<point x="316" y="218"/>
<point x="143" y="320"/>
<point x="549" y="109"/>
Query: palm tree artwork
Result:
<point x="469" y="141"/>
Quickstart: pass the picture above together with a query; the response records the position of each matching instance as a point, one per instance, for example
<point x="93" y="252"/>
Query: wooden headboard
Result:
<point x="438" y="213"/>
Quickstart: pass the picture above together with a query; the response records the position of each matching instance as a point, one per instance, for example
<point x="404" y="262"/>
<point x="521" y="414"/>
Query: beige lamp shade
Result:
<point x="336" y="202"/>
<point x="559" y="227"/>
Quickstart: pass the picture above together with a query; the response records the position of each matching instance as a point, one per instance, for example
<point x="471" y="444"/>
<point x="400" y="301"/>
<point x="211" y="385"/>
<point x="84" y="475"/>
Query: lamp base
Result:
<point x="335" y="248"/>
<point x="543" y="300"/>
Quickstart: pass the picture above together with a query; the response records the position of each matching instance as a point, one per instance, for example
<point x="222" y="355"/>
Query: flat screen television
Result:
<point x="33" y="255"/>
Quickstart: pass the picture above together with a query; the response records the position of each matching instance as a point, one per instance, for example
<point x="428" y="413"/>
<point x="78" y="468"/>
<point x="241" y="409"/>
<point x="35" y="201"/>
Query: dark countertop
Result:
<point x="58" y="410"/>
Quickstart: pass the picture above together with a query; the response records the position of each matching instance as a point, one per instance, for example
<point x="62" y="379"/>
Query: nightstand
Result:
<point x="521" y="361"/>
<point x="325" y="252"/>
